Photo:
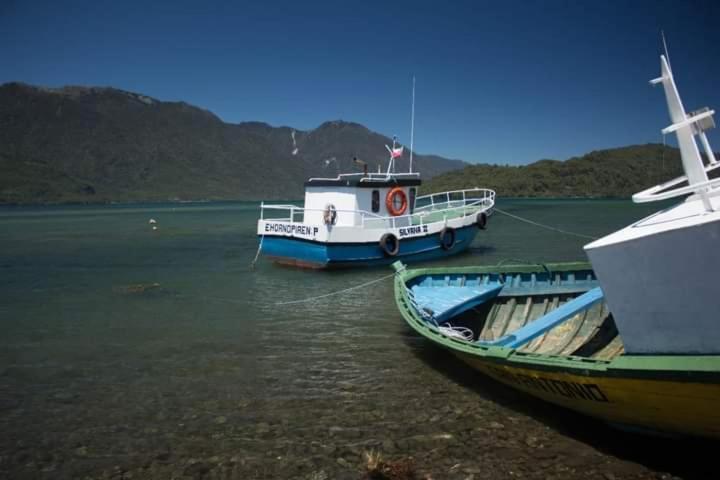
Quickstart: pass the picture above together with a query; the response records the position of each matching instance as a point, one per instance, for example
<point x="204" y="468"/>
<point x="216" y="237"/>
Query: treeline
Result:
<point x="617" y="172"/>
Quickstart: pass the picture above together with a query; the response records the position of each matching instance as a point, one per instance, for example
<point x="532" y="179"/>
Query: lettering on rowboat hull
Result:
<point x="582" y="391"/>
<point x="410" y="231"/>
<point x="293" y="230"/>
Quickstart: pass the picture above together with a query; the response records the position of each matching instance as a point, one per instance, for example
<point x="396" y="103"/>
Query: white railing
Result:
<point x="367" y="177"/>
<point x="295" y="210"/>
<point x="453" y="197"/>
<point x="442" y="206"/>
<point x="662" y="192"/>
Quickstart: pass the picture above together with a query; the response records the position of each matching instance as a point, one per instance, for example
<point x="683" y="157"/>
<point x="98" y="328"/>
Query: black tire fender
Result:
<point x="482" y="221"/>
<point x="447" y="238"/>
<point x="389" y="244"/>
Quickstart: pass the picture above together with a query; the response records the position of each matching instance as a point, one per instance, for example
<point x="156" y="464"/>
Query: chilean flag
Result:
<point x="396" y="152"/>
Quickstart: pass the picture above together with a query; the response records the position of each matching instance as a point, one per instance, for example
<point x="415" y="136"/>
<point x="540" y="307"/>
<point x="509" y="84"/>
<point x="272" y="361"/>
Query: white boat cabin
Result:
<point x="350" y="199"/>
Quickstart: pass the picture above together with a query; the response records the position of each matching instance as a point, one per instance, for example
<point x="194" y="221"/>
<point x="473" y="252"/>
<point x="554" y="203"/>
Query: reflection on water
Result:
<point x="159" y="354"/>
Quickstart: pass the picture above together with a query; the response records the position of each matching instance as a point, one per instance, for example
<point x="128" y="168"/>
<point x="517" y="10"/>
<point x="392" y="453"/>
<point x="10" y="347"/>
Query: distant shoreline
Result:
<point x="298" y="201"/>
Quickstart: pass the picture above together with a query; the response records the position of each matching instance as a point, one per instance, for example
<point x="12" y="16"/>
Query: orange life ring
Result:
<point x="394" y="196"/>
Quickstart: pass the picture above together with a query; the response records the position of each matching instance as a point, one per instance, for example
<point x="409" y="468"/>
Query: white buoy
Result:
<point x="152" y="221"/>
<point x="154" y="227"/>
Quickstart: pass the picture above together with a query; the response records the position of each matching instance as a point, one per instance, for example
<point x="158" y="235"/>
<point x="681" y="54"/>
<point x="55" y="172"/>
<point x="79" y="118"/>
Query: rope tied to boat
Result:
<point x="460" y="333"/>
<point x="447" y="329"/>
<point x="337" y="292"/>
<point x="541" y="225"/>
<point x="252" y="264"/>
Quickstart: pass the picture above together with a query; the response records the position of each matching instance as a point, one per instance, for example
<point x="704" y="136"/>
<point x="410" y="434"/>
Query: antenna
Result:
<point x="357" y="161"/>
<point x="667" y="55"/>
<point x="412" y="123"/>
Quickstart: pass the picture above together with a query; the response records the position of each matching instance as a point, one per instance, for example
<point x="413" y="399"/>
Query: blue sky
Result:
<point x="497" y="82"/>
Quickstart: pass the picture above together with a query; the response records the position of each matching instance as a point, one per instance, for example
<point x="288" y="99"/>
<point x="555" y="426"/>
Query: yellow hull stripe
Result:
<point x="668" y="406"/>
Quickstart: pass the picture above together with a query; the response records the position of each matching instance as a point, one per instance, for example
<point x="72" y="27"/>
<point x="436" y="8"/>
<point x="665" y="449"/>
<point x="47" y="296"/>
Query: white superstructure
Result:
<point x="658" y="274"/>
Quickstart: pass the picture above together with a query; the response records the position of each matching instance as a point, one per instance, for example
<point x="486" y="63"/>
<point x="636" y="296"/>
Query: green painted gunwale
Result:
<point x="682" y="368"/>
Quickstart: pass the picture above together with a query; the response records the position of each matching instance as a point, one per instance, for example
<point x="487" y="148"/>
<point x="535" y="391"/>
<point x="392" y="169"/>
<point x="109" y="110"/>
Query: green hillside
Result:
<point x="617" y="172"/>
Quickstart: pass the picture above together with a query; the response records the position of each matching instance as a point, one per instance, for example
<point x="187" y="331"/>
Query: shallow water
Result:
<point x="132" y="353"/>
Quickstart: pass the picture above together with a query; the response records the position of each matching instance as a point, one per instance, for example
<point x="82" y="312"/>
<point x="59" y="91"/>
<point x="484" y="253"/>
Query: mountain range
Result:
<point x="89" y="144"/>
<point x="92" y="145"/>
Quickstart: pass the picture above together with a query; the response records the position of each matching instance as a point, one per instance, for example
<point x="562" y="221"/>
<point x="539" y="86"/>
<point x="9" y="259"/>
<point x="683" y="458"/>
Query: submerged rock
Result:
<point x="198" y="469"/>
<point x="138" y="288"/>
<point x="64" y="397"/>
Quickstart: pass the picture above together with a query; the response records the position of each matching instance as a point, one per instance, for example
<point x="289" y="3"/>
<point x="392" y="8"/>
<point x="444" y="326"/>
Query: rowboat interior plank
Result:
<point x="600" y="338"/>
<point x="574" y="327"/>
<point x="503" y="316"/>
<point x="520" y="316"/>
<point x="488" y="326"/>
<point x="586" y="329"/>
<point x="611" y="350"/>
<point x="534" y="345"/>
<point x="510" y="314"/>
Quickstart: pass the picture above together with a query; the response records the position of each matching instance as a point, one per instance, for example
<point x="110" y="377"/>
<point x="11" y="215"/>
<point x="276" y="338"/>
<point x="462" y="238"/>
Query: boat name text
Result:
<point x="291" y="229"/>
<point x="409" y="231"/>
<point x="583" y="391"/>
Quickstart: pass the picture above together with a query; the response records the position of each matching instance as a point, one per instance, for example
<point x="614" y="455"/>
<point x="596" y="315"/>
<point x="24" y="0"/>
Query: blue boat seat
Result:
<point x="441" y="304"/>
<point x="549" y="321"/>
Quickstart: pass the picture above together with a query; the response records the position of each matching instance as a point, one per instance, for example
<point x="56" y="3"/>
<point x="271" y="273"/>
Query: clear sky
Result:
<point x="497" y="82"/>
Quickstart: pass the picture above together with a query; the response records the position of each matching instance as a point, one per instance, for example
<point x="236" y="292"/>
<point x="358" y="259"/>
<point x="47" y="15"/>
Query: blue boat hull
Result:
<point x="306" y="253"/>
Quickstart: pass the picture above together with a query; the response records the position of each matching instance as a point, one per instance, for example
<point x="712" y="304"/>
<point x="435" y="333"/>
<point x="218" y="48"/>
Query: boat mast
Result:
<point x="667" y="54"/>
<point x="685" y="128"/>
<point x="412" y="123"/>
<point x="698" y="131"/>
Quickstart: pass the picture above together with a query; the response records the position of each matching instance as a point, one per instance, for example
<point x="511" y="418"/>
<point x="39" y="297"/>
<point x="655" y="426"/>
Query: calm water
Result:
<point x="104" y="374"/>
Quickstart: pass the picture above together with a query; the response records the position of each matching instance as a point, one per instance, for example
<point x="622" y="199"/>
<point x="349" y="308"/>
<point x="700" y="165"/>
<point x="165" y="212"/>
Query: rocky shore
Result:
<point x="452" y="426"/>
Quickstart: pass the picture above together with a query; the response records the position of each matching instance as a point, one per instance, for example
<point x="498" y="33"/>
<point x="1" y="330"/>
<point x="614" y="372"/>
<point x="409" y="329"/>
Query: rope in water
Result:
<point x="252" y="265"/>
<point x="548" y="227"/>
<point x="243" y="302"/>
<point x="338" y="292"/>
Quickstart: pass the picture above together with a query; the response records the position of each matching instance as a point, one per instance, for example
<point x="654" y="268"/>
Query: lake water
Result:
<point x="132" y="353"/>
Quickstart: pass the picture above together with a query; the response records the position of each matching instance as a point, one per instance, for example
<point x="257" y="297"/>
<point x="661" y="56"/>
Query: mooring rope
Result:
<point x="252" y="265"/>
<point x="544" y="226"/>
<point x="310" y="299"/>
<point x="338" y="292"/>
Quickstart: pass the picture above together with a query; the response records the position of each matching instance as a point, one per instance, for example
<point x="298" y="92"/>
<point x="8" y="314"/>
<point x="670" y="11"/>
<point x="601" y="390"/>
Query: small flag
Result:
<point x="397" y="152"/>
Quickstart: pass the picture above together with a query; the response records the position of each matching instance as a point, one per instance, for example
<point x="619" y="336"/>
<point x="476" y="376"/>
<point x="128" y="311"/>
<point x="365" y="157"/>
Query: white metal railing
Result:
<point x="661" y="192"/>
<point x="448" y="198"/>
<point x="368" y="177"/>
<point x="295" y="210"/>
<point x="456" y="203"/>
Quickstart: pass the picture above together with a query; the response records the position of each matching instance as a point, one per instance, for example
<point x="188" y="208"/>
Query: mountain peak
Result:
<point x="78" y="91"/>
<point x="336" y="124"/>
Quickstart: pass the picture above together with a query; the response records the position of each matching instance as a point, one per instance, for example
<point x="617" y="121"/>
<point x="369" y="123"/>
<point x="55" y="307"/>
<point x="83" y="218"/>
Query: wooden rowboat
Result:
<point x="546" y="330"/>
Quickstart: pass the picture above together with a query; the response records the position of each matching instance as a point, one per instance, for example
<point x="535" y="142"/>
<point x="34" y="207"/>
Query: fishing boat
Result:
<point x="631" y="338"/>
<point x="366" y="219"/>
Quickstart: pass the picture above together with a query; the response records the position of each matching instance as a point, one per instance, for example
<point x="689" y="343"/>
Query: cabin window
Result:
<point x="412" y="200"/>
<point x="375" y="201"/>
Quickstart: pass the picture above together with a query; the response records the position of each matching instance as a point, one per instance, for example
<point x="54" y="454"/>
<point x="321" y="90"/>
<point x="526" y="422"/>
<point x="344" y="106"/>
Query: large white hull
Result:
<point x="659" y="280"/>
